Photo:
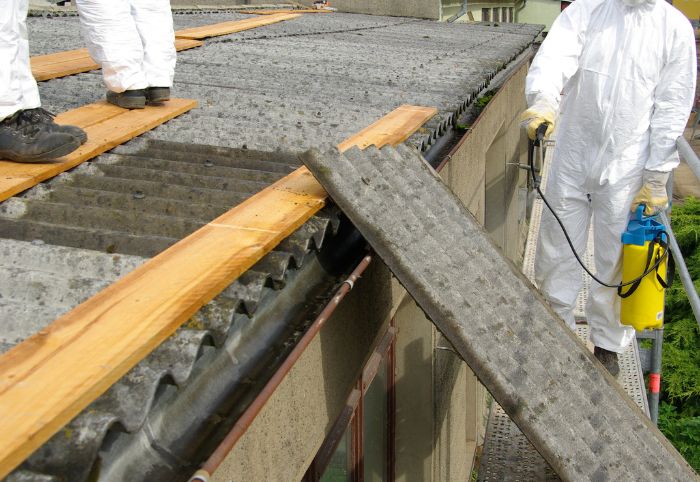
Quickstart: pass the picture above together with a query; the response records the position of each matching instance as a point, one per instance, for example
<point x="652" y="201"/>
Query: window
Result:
<point x="485" y="14"/>
<point x="496" y="16"/>
<point x="504" y="14"/>
<point x="360" y="445"/>
<point x="510" y="15"/>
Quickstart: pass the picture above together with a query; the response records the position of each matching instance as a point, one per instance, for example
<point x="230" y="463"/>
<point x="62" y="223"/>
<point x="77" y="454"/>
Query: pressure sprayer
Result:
<point x="645" y="256"/>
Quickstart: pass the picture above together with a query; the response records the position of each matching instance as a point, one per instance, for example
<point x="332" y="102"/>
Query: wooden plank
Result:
<point x="186" y="43"/>
<point x="234" y="26"/>
<point x="107" y="126"/>
<point x="393" y="128"/>
<point x="50" y="377"/>
<point x="283" y="10"/>
<point x="70" y="62"/>
<point x="58" y="57"/>
<point x="64" y="69"/>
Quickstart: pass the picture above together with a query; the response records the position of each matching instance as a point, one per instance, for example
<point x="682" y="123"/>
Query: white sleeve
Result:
<point x="558" y="57"/>
<point x="673" y="99"/>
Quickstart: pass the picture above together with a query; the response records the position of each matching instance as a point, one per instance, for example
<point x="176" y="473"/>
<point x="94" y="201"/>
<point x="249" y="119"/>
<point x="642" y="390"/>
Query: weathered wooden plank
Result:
<point x="234" y="26"/>
<point x="70" y="62"/>
<point x="107" y="126"/>
<point x="49" y="378"/>
<point x="393" y="128"/>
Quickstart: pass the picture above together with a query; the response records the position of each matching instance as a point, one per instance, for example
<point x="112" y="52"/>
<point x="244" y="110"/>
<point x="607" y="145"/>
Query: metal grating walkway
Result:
<point x="507" y="454"/>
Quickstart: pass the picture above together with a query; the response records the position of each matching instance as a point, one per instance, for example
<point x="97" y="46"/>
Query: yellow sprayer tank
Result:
<point x="644" y="243"/>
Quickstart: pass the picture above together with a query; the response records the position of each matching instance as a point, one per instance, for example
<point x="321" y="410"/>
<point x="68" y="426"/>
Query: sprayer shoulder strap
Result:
<point x="633" y="287"/>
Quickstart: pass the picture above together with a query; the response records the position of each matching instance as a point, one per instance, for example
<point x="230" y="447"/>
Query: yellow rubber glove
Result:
<point x="537" y="115"/>
<point x="653" y="193"/>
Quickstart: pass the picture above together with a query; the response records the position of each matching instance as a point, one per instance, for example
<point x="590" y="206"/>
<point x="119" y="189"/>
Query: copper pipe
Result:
<point x="254" y="409"/>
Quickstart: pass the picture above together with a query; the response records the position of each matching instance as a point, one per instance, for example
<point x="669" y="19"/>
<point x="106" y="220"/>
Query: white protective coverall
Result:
<point x="627" y="74"/>
<point x="133" y="41"/>
<point x="18" y="89"/>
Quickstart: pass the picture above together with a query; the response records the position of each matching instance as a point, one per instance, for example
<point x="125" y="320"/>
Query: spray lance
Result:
<point x="647" y="265"/>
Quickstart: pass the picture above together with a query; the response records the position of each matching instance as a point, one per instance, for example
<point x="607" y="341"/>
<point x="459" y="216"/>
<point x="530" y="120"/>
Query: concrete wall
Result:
<point x="441" y="408"/>
<point x="451" y="7"/>
<point x="541" y="12"/>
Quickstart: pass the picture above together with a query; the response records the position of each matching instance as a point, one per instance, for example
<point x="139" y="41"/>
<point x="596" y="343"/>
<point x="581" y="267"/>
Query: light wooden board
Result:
<point x="393" y="128"/>
<point x="69" y="62"/>
<point x="282" y="10"/>
<point x="49" y="378"/>
<point x="234" y="26"/>
<point x="106" y="125"/>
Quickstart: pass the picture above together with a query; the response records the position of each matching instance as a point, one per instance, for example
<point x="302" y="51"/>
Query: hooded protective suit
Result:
<point x="626" y="75"/>
<point x="18" y="89"/>
<point x="133" y="41"/>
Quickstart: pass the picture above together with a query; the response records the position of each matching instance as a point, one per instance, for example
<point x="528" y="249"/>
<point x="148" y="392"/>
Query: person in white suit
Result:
<point x="134" y="43"/>
<point x="618" y="79"/>
<point x="27" y="131"/>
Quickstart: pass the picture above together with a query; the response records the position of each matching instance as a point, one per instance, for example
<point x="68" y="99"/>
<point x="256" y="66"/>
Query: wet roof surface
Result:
<point x="263" y="93"/>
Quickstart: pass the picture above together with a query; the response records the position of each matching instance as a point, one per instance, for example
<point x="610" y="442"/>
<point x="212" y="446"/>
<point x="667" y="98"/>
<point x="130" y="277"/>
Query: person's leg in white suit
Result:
<point x="27" y="132"/>
<point x="611" y="206"/>
<point x="18" y="89"/>
<point x="557" y="272"/>
<point x="134" y="42"/>
<point x="154" y="22"/>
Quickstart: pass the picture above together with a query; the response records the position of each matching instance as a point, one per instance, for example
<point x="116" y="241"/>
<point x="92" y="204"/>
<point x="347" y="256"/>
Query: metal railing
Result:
<point x="693" y="162"/>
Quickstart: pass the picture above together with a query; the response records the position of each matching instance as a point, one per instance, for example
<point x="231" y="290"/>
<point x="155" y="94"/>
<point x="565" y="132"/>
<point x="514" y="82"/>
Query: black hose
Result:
<point x="537" y="143"/>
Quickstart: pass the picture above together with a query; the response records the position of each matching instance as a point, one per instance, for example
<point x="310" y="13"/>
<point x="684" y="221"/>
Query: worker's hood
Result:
<point x="637" y="3"/>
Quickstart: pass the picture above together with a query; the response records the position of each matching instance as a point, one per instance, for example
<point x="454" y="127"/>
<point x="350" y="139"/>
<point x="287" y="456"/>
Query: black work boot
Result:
<point x="608" y="359"/>
<point x="46" y="117"/>
<point x="129" y="99"/>
<point x="23" y="138"/>
<point x="157" y="95"/>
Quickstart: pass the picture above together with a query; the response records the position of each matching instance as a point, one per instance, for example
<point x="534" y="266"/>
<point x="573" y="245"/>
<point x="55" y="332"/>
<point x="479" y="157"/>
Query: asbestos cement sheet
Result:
<point x="571" y="410"/>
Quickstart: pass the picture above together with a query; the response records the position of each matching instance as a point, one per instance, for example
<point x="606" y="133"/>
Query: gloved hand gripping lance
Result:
<point x="645" y="244"/>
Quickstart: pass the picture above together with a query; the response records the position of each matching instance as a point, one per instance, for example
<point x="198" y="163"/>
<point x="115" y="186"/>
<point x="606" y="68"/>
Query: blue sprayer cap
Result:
<point x="642" y="228"/>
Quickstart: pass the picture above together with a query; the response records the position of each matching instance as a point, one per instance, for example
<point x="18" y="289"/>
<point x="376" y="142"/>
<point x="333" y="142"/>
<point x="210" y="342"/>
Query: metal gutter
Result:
<point x="240" y="427"/>
<point x="442" y="150"/>
<point x="186" y="423"/>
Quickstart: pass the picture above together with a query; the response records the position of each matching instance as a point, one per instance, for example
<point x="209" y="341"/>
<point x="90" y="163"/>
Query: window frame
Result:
<point x="352" y="416"/>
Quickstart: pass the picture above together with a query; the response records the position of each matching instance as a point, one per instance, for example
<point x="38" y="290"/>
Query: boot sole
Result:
<point x="127" y="102"/>
<point x="156" y="99"/>
<point x="44" y="157"/>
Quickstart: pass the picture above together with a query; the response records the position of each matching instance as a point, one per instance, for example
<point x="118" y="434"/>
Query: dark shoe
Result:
<point x="25" y="139"/>
<point x="157" y="95"/>
<point x="129" y="99"/>
<point x="44" y="116"/>
<point x="608" y="359"/>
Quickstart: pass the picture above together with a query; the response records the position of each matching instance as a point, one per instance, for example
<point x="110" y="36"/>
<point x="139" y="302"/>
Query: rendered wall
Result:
<point x="690" y="8"/>
<point x="542" y="12"/>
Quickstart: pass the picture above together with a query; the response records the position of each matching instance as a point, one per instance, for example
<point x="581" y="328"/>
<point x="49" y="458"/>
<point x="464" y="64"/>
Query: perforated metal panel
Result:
<point x="507" y="454"/>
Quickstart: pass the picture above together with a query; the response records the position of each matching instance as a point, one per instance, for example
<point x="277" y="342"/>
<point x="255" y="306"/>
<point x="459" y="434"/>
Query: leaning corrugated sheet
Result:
<point x="263" y="94"/>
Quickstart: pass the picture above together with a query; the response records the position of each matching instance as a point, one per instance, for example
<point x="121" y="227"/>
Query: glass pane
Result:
<point x="338" y="469"/>
<point x="376" y="427"/>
